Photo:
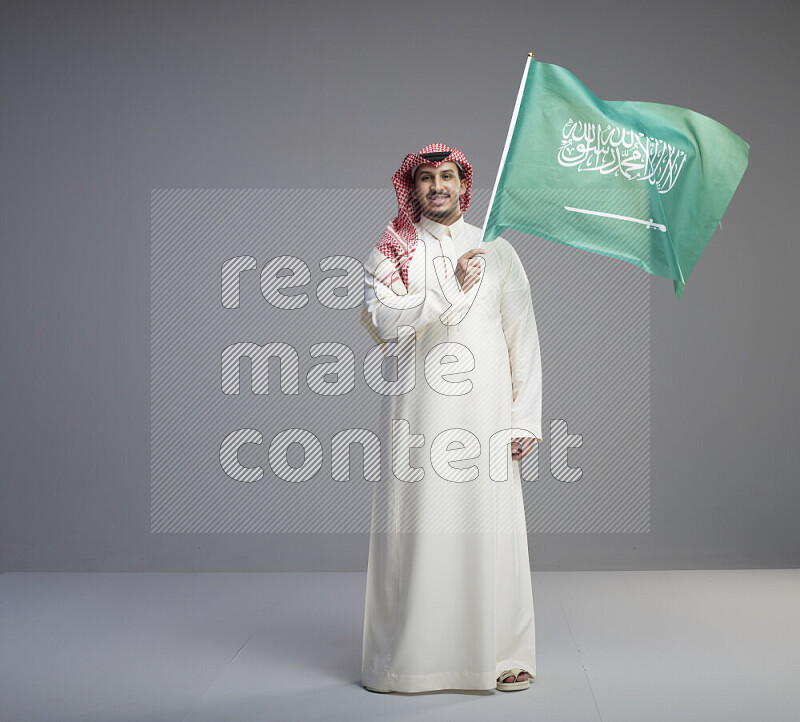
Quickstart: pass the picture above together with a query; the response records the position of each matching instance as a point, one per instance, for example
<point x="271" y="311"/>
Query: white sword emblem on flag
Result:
<point x="648" y="223"/>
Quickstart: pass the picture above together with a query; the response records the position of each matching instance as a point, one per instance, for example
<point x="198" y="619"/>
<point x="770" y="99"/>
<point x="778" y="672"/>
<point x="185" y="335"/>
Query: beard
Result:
<point x="434" y="212"/>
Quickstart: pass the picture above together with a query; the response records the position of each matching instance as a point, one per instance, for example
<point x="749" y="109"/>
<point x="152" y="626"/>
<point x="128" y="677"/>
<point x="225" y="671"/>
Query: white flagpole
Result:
<point x="508" y="142"/>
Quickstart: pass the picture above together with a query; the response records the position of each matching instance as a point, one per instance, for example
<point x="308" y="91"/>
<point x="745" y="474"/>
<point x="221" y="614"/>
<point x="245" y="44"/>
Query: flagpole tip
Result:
<point x="530" y="55"/>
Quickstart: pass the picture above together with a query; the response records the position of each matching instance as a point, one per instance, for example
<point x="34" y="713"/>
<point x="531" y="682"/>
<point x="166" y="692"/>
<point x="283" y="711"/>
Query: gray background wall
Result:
<point x="103" y="102"/>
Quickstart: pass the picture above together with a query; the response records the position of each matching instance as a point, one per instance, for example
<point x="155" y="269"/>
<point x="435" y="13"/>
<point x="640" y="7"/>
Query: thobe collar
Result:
<point x="439" y="230"/>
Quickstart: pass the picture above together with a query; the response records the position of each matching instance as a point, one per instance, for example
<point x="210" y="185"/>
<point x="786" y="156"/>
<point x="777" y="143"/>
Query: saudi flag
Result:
<point x="644" y="182"/>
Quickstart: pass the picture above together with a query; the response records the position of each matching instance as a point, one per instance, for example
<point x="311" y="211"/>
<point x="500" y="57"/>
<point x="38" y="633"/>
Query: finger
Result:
<point x="473" y="251"/>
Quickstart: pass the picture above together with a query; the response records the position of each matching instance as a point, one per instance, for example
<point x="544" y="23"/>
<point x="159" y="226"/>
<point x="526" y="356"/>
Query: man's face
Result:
<point x="438" y="191"/>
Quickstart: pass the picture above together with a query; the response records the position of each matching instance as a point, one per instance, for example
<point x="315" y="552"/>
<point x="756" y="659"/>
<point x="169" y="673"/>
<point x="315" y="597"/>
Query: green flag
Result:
<point x="644" y="182"/>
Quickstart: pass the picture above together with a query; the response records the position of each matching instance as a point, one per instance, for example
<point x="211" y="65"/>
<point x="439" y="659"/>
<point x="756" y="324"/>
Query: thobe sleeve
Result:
<point x="522" y="339"/>
<point x="411" y="309"/>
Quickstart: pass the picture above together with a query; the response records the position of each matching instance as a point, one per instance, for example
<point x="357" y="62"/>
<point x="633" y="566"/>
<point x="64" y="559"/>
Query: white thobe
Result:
<point x="449" y="603"/>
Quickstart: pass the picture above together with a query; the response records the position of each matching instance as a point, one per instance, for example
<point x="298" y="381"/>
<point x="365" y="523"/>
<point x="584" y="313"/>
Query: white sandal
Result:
<point x="511" y="686"/>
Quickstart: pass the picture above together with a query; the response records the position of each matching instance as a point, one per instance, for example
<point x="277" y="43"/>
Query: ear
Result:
<point x="463" y="187"/>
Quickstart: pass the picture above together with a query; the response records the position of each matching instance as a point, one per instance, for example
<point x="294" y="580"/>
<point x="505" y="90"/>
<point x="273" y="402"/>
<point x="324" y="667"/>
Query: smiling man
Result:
<point x="449" y="601"/>
<point x="439" y="191"/>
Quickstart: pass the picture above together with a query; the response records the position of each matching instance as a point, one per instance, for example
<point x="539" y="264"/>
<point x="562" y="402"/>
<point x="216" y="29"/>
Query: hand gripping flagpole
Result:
<point x="505" y="149"/>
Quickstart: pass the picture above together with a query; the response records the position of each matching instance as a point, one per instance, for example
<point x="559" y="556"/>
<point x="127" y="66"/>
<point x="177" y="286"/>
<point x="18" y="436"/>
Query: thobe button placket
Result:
<point x="446" y="275"/>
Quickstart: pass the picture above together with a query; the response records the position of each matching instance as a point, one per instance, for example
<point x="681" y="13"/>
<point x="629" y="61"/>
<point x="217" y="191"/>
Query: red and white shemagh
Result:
<point x="399" y="240"/>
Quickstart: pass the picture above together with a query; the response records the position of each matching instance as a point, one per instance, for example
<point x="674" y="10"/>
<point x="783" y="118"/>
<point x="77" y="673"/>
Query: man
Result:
<point x="449" y="602"/>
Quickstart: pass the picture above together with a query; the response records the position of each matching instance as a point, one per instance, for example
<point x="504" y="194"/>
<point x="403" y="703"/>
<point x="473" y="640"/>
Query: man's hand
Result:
<point x="468" y="269"/>
<point x="522" y="446"/>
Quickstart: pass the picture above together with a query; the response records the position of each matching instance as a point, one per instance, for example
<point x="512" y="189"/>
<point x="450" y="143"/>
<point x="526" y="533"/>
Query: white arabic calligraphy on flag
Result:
<point x="617" y="150"/>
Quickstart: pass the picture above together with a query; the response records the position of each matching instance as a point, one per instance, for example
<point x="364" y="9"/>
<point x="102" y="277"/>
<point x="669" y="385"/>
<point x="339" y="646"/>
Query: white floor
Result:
<point x="611" y="646"/>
